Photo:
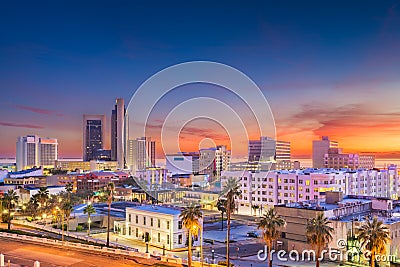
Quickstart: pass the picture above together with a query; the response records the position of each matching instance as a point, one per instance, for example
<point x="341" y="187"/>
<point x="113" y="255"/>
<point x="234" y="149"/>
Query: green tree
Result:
<point x="10" y="199"/>
<point x="89" y="210"/>
<point x="374" y="236"/>
<point x="229" y="192"/>
<point x="190" y="217"/>
<point x="271" y="224"/>
<point x="319" y="234"/>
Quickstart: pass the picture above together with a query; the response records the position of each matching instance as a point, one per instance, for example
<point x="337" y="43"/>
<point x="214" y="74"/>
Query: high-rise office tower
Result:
<point x="119" y="133"/>
<point x="319" y="149"/>
<point x="35" y="151"/>
<point x="141" y="153"/>
<point x="93" y="135"/>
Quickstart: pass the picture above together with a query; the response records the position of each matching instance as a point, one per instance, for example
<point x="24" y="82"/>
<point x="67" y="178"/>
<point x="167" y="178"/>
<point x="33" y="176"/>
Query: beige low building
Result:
<point x="346" y="215"/>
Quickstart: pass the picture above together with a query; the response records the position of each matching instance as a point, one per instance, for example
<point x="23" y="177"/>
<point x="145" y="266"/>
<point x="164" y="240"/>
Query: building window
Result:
<point x="179" y="239"/>
<point x="137" y="232"/>
<point x="144" y="220"/>
<point x="168" y="225"/>
<point x="130" y="217"/>
<point x="158" y="223"/>
<point x="151" y="222"/>
<point x="137" y="219"/>
<point x="158" y="237"/>
<point x="167" y="239"/>
<point x="130" y="232"/>
<point x="179" y="225"/>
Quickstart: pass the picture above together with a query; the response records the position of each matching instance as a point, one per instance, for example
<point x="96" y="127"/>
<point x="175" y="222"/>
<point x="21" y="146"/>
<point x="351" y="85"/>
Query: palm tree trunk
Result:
<point x="9" y="221"/>
<point x="89" y="225"/>
<point x="317" y="255"/>
<point x="228" y="233"/>
<point x="190" y="249"/>
<point x="269" y="248"/>
<point x="373" y="259"/>
<point x="108" y="225"/>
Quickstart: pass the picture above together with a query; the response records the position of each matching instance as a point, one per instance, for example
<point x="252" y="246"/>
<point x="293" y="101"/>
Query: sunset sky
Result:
<point x="325" y="67"/>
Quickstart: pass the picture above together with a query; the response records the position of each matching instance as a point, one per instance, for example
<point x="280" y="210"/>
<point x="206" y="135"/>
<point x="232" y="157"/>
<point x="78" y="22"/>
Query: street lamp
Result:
<point x="212" y="255"/>
<point x="198" y="252"/>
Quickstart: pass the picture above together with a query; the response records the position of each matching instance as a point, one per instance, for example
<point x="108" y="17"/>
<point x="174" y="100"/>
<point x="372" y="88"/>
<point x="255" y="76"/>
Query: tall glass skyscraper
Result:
<point x="93" y="135"/>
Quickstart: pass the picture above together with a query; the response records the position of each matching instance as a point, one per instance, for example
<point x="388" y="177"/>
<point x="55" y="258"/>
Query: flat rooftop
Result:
<point x="157" y="209"/>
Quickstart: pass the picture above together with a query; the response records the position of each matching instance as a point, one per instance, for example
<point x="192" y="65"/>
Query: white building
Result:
<point x="141" y="154"/>
<point x="377" y="183"/>
<point x="33" y="151"/>
<point x="260" y="189"/>
<point x="182" y="163"/>
<point x="263" y="189"/>
<point x="161" y="224"/>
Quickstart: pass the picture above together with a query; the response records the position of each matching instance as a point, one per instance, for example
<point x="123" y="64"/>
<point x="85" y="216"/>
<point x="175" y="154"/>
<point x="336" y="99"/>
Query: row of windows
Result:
<point x="152" y="222"/>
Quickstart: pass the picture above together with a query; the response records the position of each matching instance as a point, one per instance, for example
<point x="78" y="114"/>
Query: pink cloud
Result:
<point x="39" y="110"/>
<point x="11" y="124"/>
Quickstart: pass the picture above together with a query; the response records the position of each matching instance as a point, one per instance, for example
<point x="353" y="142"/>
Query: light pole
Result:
<point x="201" y="245"/>
<point x="212" y="255"/>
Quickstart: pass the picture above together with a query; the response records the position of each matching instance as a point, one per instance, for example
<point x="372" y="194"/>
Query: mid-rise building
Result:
<point x="183" y="163"/>
<point x="268" y="153"/>
<point x="319" y="149"/>
<point x="33" y="151"/>
<point x="141" y="154"/>
<point x="98" y="180"/>
<point x="261" y="189"/>
<point x="93" y="165"/>
<point x="336" y="159"/>
<point x="213" y="161"/>
<point x="93" y="135"/>
<point x="119" y="133"/>
<point x="156" y="225"/>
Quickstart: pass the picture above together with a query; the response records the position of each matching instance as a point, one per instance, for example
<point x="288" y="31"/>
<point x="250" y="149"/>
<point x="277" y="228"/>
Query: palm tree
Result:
<point x="319" y="234"/>
<point x="190" y="217"/>
<point x="69" y="188"/>
<point x="374" y="236"/>
<point x="271" y="224"/>
<point x="67" y="208"/>
<point x="221" y="204"/>
<point x="43" y="196"/>
<point x="230" y="190"/>
<point x="9" y="200"/>
<point x="110" y="195"/>
<point x="89" y="210"/>
<point x="33" y="206"/>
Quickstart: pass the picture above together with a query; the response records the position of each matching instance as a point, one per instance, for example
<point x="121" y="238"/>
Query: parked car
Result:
<point x="252" y="234"/>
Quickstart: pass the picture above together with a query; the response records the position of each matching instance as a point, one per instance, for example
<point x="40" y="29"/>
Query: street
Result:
<point x="25" y="254"/>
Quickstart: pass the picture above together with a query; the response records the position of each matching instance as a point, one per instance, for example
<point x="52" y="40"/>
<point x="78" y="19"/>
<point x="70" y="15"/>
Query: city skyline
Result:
<point x="325" y="70"/>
